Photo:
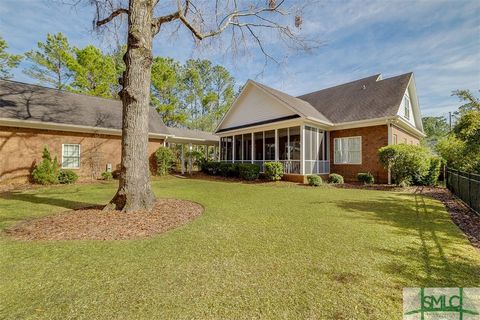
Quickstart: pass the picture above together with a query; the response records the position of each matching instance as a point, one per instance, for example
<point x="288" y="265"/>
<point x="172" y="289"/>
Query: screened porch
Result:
<point x="302" y="149"/>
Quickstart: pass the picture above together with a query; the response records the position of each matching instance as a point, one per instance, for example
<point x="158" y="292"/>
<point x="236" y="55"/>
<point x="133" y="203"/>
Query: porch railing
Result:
<point x="317" y="166"/>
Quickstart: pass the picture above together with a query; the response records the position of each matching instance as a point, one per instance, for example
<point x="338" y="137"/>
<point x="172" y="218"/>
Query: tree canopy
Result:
<point x="51" y="61"/>
<point x="8" y="61"/>
<point x="461" y="147"/>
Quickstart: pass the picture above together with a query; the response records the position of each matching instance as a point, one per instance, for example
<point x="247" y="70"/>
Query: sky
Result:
<point x="439" y="41"/>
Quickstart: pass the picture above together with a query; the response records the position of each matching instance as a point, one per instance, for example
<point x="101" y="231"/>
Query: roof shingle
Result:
<point x="29" y="102"/>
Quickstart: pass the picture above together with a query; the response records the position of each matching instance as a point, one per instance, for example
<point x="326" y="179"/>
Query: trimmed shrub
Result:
<point x="229" y="169"/>
<point x="431" y="178"/>
<point x="248" y="171"/>
<point x="164" y="158"/>
<point x="335" y="178"/>
<point x="273" y="170"/>
<point x="46" y="172"/>
<point x="211" y="167"/>
<point x="408" y="163"/>
<point x="314" y="180"/>
<point x="107" y="175"/>
<point x="365" y="177"/>
<point x="67" y="176"/>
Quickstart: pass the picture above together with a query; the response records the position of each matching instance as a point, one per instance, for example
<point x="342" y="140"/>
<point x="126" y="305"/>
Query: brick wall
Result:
<point x="373" y="138"/>
<point x="21" y="148"/>
<point x="403" y="137"/>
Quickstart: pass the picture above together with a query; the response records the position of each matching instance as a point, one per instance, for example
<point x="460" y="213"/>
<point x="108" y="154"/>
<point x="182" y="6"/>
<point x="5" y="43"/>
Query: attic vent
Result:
<point x="364" y="87"/>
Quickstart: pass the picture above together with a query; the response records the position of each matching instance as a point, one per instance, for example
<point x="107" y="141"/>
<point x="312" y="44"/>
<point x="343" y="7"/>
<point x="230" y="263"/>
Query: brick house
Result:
<point x="334" y="130"/>
<point x="83" y="132"/>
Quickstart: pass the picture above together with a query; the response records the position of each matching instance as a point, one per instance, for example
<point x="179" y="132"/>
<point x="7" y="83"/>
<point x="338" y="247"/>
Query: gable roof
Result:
<point x="367" y="98"/>
<point x="27" y="102"/>
<point x="300" y="106"/>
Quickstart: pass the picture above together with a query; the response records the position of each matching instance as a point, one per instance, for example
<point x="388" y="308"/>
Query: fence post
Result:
<point x="469" y="198"/>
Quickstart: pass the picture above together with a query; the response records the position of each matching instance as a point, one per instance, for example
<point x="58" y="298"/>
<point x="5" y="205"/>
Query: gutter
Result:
<point x="68" y="127"/>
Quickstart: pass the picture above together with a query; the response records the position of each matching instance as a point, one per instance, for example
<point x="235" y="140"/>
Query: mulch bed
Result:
<point x="467" y="220"/>
<point x="95" y="224"/>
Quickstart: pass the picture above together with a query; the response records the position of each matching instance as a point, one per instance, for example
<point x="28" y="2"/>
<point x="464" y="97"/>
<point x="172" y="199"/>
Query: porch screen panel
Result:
<point x="237" y="144"/>
<point x="294" y="144"/>
<point x="223" y="148"/>
<point x="270" y="145"/>
<point x="322" y="146"/>
<point x="258" y="145"/>
<point x="229" y="144"/>
<point x="283" y="144"/>
<point x="247" y="146"/>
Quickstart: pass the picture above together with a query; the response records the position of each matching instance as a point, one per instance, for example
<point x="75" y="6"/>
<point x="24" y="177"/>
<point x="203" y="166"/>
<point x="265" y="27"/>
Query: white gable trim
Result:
<point x="411" y="93"/>
<point x="251" y="85"/>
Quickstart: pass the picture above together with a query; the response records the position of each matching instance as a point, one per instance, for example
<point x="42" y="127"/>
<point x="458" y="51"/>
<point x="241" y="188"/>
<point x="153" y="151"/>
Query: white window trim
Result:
<point x="405" y="108"/>
<point x="347" y="163"/>
<point x="79" y="154"/>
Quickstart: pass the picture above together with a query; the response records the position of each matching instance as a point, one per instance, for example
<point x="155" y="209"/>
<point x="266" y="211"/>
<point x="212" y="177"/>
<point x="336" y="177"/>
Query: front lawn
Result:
<point x="258" y="251"/>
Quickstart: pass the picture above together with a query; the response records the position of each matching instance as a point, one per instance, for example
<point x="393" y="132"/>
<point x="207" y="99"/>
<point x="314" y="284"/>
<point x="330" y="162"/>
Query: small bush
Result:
<point x="335" y="178"/>
<point x="67" y="176"/>
<point x="366" y="178"/>
<point x="229" y="169"/>
<point x="314" y="180"/>
<point x="107" y="175"/>
<point x="273" y="170"/>
<point x="431" y="178"/>
<point x="211" y="167"/>
<point x="408" y="163"/>
<point x="248" y="171"/>
<point x="46" y="172"/>
<point x="164" y="158"/>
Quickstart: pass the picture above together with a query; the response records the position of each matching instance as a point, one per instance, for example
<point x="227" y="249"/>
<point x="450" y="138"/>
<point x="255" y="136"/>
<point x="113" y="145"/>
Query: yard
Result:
<point x="258" y="251"/>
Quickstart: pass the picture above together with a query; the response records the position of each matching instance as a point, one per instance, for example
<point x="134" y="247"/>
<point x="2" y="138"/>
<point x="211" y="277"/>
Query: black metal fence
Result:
<point x="466" y="186"/>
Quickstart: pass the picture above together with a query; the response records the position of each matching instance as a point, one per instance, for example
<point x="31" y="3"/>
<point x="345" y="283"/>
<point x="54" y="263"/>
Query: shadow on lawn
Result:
<point x="431" y="259"/>
<point x="45" y="199"/>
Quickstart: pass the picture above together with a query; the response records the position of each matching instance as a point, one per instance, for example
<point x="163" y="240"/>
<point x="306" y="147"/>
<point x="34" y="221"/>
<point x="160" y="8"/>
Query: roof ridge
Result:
<point x="59" y="90"/>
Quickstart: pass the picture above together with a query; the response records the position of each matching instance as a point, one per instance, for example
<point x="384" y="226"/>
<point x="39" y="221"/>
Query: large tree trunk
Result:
<point x="134" y="191"/>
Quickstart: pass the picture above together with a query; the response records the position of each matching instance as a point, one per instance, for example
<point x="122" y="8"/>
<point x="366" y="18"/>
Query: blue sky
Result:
<point x="438" y="40"/>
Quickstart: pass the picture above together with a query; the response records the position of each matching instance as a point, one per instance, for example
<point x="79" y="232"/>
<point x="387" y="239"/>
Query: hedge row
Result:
<point x="246" y="171"/>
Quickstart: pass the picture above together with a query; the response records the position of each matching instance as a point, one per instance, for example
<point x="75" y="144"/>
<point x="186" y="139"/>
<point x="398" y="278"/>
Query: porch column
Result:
<point x="182" y="159"/>
<point x="253" y="149"/>
<point x="276" y="145"/>
<point x="302" y="149"/>
<point x="233" y="149"/>
<point x="389" y="173"/>
<point x="219" y="149"/>
<point x="190" y="164"/>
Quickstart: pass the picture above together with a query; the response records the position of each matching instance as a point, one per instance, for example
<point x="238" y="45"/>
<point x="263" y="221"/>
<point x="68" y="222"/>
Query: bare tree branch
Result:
<point x="115" y="13"/>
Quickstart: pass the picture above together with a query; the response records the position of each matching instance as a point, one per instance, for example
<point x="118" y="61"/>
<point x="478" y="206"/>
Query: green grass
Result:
<point x="258" y="251"/>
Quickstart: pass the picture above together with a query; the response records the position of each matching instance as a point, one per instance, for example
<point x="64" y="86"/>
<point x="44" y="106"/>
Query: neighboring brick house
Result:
<point x="82" y="131"/>
<point x="347" y="123"/>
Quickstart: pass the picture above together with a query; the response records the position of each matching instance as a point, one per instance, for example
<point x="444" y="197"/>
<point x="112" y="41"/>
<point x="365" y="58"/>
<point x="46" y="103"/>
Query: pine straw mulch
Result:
<point x="94" y="224"/>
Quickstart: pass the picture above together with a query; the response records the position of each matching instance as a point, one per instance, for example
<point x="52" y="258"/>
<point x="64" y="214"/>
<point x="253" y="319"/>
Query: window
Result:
<point x="405" y="140"/>
<point x="71" y="156"/>
<point x="406" y="106"/>
<point x="348" y="150"/>
<point x="395" y="139"/>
